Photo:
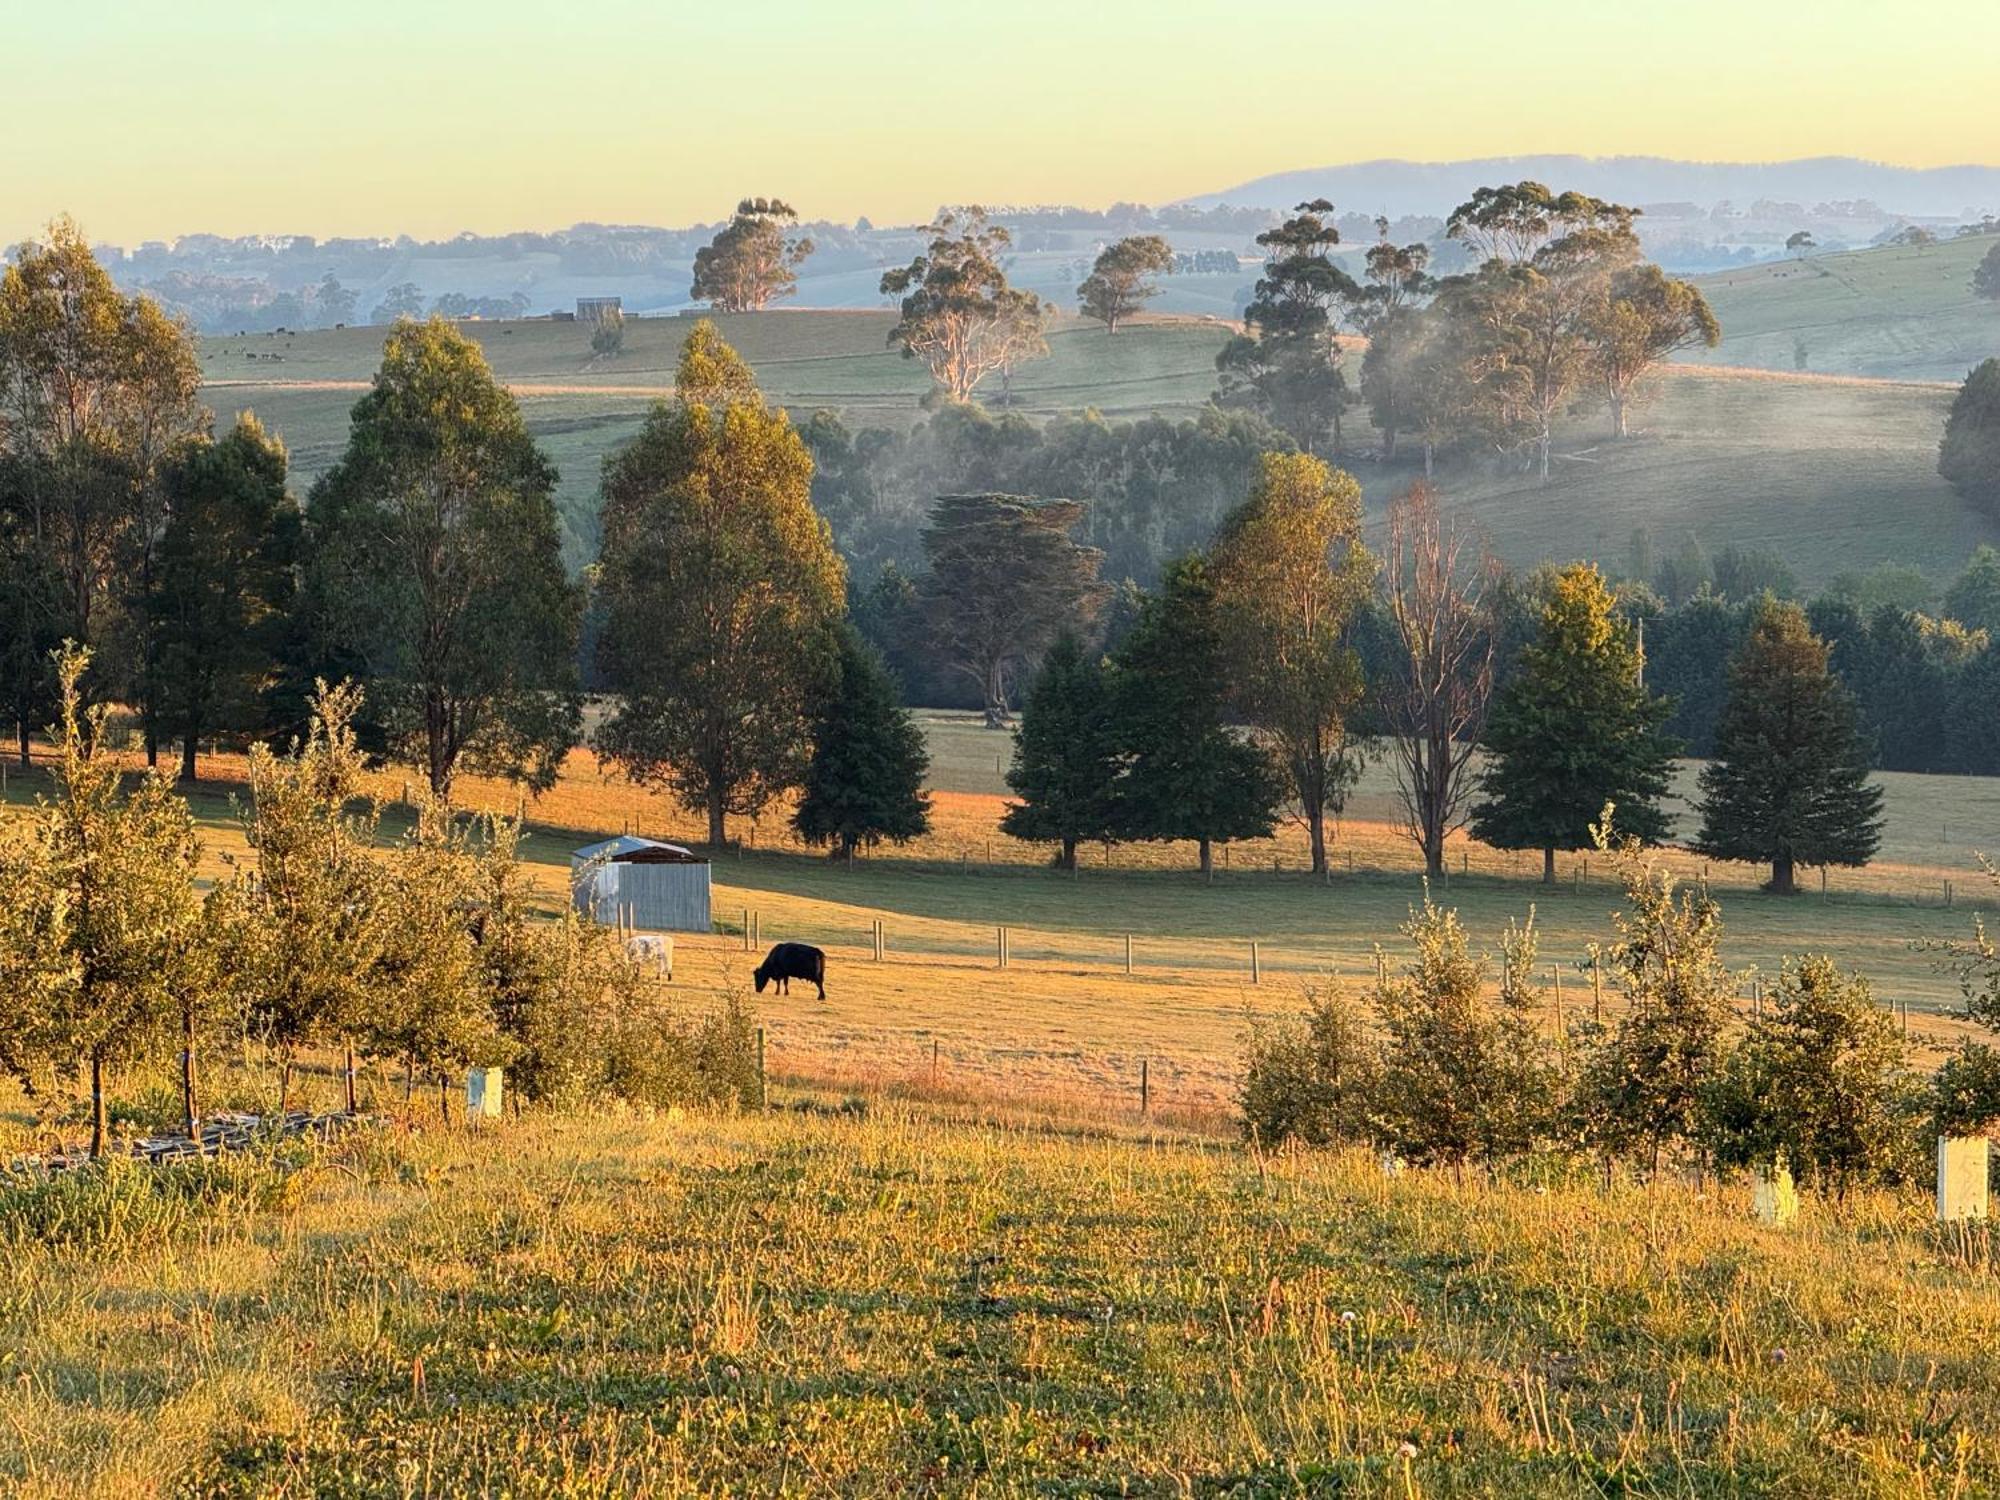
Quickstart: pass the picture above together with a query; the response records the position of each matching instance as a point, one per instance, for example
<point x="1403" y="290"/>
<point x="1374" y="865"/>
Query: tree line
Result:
<point x="1448" y="1063"/>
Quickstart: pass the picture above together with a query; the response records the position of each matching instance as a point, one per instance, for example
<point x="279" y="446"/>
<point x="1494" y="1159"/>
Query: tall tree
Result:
<point x="1118" y="284"/>
<point x="1287" y="366"/>
<point x="1290" y="572"/>
<point x="1573" y="730"/>
<point x="1442" y="673"/>
<point x="1387" y="312"/>
<point x="1969" y="456"/>
<point x="721" y="588"/>
<point x="1004" y="581"/>
<point x="95" y="389"/>
<point x="1986" y="276"/>
<point x="1187" y="774"/>
<point x="1789" y="784"/>
<point x="753" y="260"/>
<point x="1644" y="316"/>
<point x="1065" y="765"/>
<point x="222" y="586"/>
<point x="435" y="561"/>
<point x="959" y="316"/>
<point x="865" y="780"/>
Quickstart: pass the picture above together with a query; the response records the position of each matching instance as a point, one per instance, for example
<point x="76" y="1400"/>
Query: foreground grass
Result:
<point x="830" y="1304"/>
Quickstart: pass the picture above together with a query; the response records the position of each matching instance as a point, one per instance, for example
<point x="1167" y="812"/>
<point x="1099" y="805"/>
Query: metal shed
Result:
<point x="657" y="886"/>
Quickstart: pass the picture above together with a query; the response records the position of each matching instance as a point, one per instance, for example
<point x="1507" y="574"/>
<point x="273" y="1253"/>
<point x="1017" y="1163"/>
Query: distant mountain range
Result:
<point x="1397" y="188"/>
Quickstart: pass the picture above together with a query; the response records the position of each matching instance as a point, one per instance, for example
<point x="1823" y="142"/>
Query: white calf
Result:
<point x="652" y="947"/>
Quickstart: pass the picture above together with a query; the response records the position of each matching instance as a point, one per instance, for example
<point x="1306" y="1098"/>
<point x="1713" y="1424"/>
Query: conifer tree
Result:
<point x="865" y="781"/>
<point x="1186" y="774"/>
<point x="1064" y="770"/>
<point x="1789" y="784"/>
<point x="1574" y="729"/>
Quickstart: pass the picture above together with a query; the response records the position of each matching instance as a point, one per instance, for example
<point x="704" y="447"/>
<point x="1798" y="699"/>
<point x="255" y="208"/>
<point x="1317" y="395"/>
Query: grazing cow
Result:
<point x="656" y="948"/>
<point x="788" y="961"/>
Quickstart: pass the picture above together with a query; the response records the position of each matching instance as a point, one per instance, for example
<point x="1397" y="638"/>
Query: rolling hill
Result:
<point x="1833" y="474"/>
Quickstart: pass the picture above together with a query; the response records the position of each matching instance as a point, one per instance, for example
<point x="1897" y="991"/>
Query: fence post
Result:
<point x="746" y="929"/>
<point x="934" y="1061"/>
<point x="1556" y="973"/>
<point x="1256" y="971"/>
<point x="1145" y="1087"/>
<point x="763" y="1092"/>
<point x="1000" y="945"/>
<point x="1381" y="970"/>
<point x="1128" y="955"/>
<point x="1597" y="989"/>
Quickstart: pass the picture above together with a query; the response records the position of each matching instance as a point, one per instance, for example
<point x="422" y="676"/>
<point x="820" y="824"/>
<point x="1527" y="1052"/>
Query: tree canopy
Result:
<point x="1118" y="283"/>
<point x="958" y="314"/>
<point x="1969" y="456"/>
<point x="865" y="780"/>
<point x="753" y="260"/>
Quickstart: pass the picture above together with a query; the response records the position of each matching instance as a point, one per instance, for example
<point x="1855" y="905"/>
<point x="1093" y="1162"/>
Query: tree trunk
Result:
<point x="189" y="1107"/>
<point x="1549" y="865"/>
<point x="718" y="832"/>
<point x="187" y="754"/>
<point x="1544" y="444"/>
<point x="99" y="1119"/>
<point x="444" y="1100"/>
<point x="1316" y="828"/>
<point x="285" y="1085"/>
<point x="1782" y="883"/>
<point x="1207" y="857"/>
<point x="1430" y="457"/>
<point x="21" y="734"/>
<point x="152" y="744"/>
<point x="1434" y="853"/>
<point x="350" y="1079"/>
<point x="1066" y="856"/>
<point x="1618" y="429"/>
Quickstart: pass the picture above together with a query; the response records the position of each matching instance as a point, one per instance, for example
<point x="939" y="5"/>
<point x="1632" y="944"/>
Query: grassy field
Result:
<point x="1065" y="1022"/>
<point x="918" y="1300"/>
<point x="1833" y="474"/>
<point x="1894" y="311"/>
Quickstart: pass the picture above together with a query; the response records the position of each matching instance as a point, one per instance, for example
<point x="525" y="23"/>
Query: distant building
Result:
<point x="599" y="309"/>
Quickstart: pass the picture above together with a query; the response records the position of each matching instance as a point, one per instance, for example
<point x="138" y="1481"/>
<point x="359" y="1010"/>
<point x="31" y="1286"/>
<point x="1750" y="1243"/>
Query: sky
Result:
<point x="148" y="120"/>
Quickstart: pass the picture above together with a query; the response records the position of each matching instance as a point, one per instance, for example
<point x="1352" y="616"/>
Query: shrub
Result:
<point x="1310" y="1078"/>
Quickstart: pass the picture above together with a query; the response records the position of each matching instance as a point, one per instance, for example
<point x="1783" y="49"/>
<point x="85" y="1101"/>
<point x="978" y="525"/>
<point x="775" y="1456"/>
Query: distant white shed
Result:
<point x="658" y="887"/>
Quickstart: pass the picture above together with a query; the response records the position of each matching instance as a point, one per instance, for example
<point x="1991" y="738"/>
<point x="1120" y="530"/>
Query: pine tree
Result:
<point x="1790" y="781"/>
<point x="1574" y="729"/>
<point x="865" y="781"/>
<point x="1064" y="770"/>
<point x="1187" y="775"/>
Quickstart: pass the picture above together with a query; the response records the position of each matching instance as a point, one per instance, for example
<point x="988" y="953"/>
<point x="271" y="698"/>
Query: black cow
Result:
<point x="788" y="961"/>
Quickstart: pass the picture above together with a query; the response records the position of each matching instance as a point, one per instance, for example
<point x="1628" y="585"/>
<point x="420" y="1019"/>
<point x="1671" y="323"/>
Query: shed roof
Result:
<point x="629" y="849"/>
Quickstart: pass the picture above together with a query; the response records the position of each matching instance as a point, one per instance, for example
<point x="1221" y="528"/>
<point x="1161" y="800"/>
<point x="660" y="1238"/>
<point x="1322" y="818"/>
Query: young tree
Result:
<point x="1820" y="1083"/>
<point x="1117" y="286"/>
<point x="1435" y="701"/>
<point x="1642" y="1088"/>
<point x="1789" y="784"/>
<point x="1644" y="316"/>
<point x="865" y="780"/>
<point x="1290" y="573"/>
<point x="432" y="1010"/>
<point x="1460" y="1078"/>
<point x="1287" y="366"/>
<point x="1187" y="774"/>
<point x="1800" y="243"/>
<point x="1004" y="580"/>
<point x="753" y="260"/>
<point x="1065" y="766"/>
<point x="311" y="929"/>
<point x="111" y="889"/>
<point x="435" y="560"/>
<point x="721" y="588"/>
<point x="959" y="315"/>
<point x="607" y="335"/>
<point x="1574" y="729"/>
<point x="1969" y="456"/>
<point x="1986" y="276"/>
<point x="222" y="588"/>
<point x="1315" y="1080"/>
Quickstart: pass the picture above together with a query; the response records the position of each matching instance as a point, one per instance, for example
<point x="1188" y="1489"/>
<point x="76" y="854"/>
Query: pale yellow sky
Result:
<point x="148" y="120"/>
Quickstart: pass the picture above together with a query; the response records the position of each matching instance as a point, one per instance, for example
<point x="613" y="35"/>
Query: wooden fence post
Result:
<point x="746" y="929"/>
<point x="1000" y="945"/>
<point x="1128" y="955"/>
<point x="1145" y="1087"/>
<point x="1256" y="971"/>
